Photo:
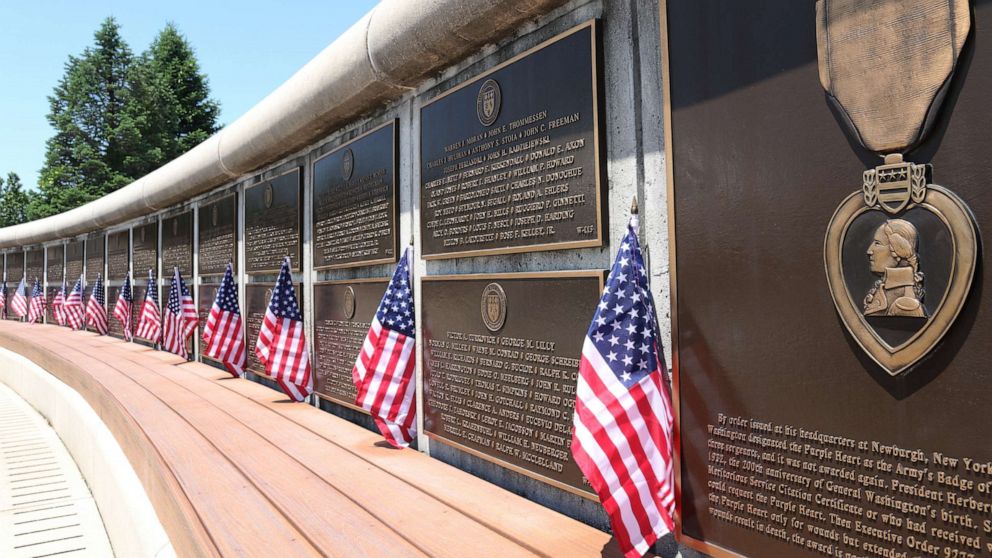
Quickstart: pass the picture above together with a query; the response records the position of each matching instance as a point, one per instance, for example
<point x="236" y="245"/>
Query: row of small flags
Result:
<point x="623" y="431"/>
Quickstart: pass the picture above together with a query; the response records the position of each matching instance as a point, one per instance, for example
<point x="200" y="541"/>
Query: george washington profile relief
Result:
<point x="892" y="256"/>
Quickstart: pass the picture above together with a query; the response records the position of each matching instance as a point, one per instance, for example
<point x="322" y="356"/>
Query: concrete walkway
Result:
<point x="46" y="509"/>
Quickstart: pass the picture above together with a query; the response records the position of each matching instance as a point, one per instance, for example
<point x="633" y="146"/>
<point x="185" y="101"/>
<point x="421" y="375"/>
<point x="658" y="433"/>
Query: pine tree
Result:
<point x="94" y="133"/>
<point x="117" y="117"/>
<point x="13" y="201"/>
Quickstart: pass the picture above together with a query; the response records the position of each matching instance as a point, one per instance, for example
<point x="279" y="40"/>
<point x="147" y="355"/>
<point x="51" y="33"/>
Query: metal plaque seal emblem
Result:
<point x="175" y="227"/>
<point x="268" y="195"/>
<point x="348" y="304"/>
<point x="488" y="102"/>
<point x="493" y="307"/>
<point x="214" y="215"/>
<point x="900" y="253"/>
<point x="347" y="164"/>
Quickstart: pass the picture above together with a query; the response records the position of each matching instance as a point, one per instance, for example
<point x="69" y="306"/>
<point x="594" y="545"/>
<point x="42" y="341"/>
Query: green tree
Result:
<point x="94" y="132"/>
<point x="13" y="201"/>
<point x="117" y="117"/>
<point x="177" y="108"/>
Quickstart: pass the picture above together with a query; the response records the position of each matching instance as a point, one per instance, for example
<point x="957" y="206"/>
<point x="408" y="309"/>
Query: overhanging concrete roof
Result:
<point x="390" y="50"/>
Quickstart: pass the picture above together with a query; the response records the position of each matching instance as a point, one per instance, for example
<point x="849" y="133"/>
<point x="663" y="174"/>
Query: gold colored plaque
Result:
<point x="900" y="254"/>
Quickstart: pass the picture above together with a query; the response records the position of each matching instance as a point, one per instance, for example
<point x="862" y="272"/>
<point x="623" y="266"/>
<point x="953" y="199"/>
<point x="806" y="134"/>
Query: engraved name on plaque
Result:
<point x="218" y="240"/>
<point x="73" y="261"/>
<point x="177" y="244"/>
<point x="355" y="207"/>
<point x="511" y="160"/>
<point x="256" y="301"/>
<point x="272" y="223"/>
<point x="95" y="251"/>
<point x="501" y="357"/>
<point x="145" y="252"/>
<point x="34" y="266"/>
<point x="55" y="256"/>
<point x="118" y="255"/>
<point x="344" y="312"/>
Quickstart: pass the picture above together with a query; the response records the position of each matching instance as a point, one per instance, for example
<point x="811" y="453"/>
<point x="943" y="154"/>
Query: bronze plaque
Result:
<point x="115" y="326"/>
<point x="55" y="265"/>
<point x="272" y="223"/>
<point x="177" y="244"/>
<point x="34" y="265"/>
<point x="145" y="251"/>
<point x="511" y="161"/>
<point x="15" y="266"/>
<point x="218" y="236"/>
<point x="344" y="312"/>
<point x="507" y="395"/>
<point x="74" y="257"/>
<point x="118" y="255"/>
<point x="256" y="302"/>
<point x="795" y="438"/>
<point x="355" y="202"/>
<point x="95" y="252"/>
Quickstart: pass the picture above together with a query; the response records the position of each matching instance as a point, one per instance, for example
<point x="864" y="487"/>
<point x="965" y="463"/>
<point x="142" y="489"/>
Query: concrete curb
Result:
<point x="128" y="515"/>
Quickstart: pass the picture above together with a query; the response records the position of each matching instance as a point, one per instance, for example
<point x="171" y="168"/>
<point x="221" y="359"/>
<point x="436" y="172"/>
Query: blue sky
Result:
<point x="247" y="48"/>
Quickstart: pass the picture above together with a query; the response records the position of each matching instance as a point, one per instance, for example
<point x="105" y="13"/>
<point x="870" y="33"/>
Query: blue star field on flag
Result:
<point x="283" y="303"/>
<point x="99" y="292"/>
<point x="396" y="310"/>
<point x="227" y="295"/>
<point x="36" y="290"/>
<point x="174" y="295"/>
<point x="624" y="327"/>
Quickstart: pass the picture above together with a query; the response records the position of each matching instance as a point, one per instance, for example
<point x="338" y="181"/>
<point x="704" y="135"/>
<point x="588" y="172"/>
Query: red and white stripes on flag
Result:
<point x="72" y="308"/>
<point x="385" y="370"/>
<point x="282" y="346"/>
<point x="122" y="309"/>
<point x="96" y="308"/>
<point x="149" y="319"/>
<point x="181" y="318"/>
<point x="36" y="310"/>
<point x="57" y="310"/>
<point x="3" y="298"/>
<point x="19" y="302"/>
<point x="224" y="332"/>
<point x="623" y="435"/>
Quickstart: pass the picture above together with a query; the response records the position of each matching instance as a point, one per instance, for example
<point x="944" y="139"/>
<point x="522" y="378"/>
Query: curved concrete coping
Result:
<point x="129" y="518"/>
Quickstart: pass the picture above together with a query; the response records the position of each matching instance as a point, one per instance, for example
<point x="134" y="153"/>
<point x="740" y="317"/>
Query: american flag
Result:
<point x="36" y="309"/>
<point x="180" y="317"/>
<point x="149" y="320"/>
<point x="122" y="310"/>
<point x="224" y="333"/>
<point x="385" y="370"/>
<point x="72" y="308"/>
<point x="57" y="311"/>
<point x="282" y="344"/>
<point x="19" y="302"/>
<point x="96" y="307"/>
<point x="3" y="298"/>
<point x="622" y="438"/>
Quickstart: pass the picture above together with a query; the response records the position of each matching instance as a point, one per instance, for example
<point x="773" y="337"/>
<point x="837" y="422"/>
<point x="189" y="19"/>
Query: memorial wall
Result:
<point x="511" y="171"/>
<point x="822" y="323"/>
